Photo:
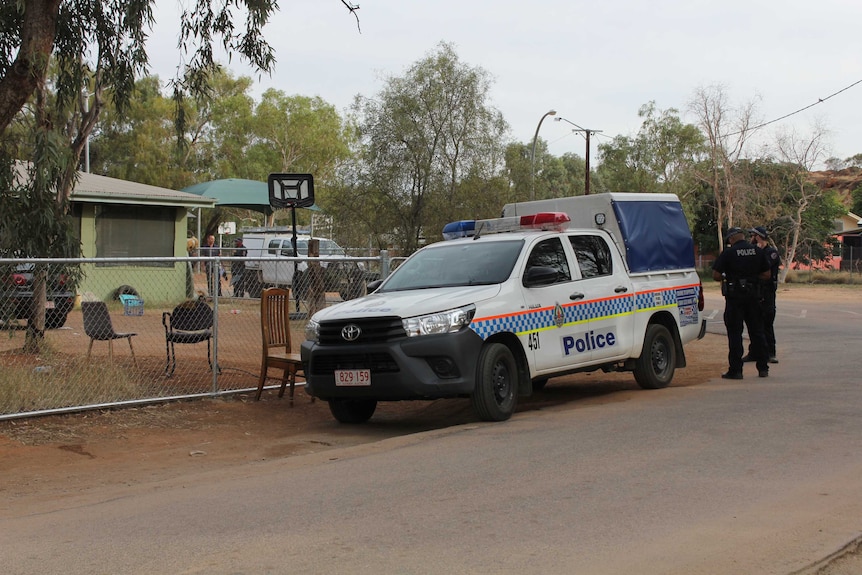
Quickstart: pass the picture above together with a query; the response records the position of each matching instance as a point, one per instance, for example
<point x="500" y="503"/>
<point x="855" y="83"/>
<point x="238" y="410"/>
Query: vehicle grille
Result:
<point x="377" y="362"/>
<point x="376" y="330"/>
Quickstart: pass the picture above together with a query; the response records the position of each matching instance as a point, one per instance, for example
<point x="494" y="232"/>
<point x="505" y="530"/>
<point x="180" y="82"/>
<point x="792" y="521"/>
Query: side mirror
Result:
<point x="540" y="276"/>
<point x="372" y="286"/>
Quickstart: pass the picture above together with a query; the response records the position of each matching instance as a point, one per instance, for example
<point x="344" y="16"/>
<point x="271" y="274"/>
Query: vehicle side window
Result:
<point x="593" y="254"/>
<point x="273" y="246"/>
<point x="550" y="253"/>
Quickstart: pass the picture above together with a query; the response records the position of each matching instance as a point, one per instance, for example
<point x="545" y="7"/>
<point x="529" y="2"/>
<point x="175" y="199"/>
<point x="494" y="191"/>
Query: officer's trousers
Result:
<point x="767" y="310"/>
<point x="768" y="304"/>
<point x="739" y="313"/>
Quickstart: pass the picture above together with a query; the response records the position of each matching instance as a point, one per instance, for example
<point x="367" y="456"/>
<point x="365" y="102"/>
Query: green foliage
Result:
<point x="421" y="139"/>
<point x="856" y="196"/>
<point x="658" y="159"/>
<point x="143" y="131"/>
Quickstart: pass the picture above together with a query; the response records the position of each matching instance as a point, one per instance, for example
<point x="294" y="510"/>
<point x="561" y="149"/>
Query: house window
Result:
<point x="135" y="231"/>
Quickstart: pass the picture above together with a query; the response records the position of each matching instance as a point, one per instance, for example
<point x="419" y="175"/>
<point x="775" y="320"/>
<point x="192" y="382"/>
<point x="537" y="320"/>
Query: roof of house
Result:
<point x="93" y="188"/>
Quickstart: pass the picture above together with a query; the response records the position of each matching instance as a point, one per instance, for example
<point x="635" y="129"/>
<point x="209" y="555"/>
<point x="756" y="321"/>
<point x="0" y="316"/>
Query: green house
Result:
<point x="122" y="219"/>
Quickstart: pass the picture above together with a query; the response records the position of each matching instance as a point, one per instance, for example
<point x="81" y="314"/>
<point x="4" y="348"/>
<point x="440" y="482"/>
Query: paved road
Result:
<point x="728" y="477"/>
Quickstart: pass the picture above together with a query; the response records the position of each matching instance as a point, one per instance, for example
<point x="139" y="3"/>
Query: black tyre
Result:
<point x="55" y="318"/>
<point x="352" y="410"/>
<point x="654" y="368"/>
<point x="299" y="285"/>
<point x="125" y="290"/>
<point x="539" y="384"/>
<point x="496" y="392"/>
<point x="254" y="286"/>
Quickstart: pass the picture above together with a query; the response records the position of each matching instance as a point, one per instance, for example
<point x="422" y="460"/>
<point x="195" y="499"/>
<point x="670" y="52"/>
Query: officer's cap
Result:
<point x="732" y="232"/>
<point x="759" y="231"/>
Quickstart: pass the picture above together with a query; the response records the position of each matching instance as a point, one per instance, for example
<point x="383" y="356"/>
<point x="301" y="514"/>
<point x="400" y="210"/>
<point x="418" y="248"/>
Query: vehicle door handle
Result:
<point x="621" y="289"/>
<point x="576" y="296"/>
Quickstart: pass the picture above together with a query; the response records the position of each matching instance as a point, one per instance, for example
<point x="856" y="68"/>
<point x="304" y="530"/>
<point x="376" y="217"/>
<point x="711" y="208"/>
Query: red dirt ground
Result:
<point x="63" y="454"/>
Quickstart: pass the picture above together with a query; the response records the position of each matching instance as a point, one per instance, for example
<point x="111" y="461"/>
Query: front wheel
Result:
<point x="654" y="368"/>
<point x="352" y="410"/>
<point x="496" y="392"/>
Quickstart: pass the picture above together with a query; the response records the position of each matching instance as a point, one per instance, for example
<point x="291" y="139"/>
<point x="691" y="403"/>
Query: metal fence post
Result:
<point x="384" y="264"/>
<point x="216" y="269"/>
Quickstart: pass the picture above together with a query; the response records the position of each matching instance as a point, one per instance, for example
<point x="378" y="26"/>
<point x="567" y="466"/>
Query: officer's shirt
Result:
<point x="774" y="261"/>
<point x="742" y="260"/>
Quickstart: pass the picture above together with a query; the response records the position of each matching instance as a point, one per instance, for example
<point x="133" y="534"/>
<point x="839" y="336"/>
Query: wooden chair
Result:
<point x="98" y="326"/>
<point x="275" y="329"/>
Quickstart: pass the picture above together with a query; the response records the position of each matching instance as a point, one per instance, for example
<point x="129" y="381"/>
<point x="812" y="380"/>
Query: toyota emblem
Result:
<point x="351" y="332"/>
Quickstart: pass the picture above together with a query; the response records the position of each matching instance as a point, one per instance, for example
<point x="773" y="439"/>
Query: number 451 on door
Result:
<point x="533" y="340"/>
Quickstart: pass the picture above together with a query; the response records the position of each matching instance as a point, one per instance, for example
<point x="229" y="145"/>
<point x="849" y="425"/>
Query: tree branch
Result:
<point x="353" y="8"/>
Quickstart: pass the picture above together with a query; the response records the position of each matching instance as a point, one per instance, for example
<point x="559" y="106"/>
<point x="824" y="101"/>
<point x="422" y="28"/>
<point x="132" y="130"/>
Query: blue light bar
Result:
<point x="462" y="229"/>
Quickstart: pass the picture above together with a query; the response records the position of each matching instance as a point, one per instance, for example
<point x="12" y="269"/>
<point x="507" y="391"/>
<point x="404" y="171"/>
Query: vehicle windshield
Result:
<point x="327" y="248"/>
<point x="462" y="264"/>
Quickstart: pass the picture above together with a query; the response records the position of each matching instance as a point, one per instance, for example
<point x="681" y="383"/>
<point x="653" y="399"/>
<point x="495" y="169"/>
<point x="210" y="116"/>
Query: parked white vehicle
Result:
<point x="272" y="263"/>
<point x="606" y="282"/>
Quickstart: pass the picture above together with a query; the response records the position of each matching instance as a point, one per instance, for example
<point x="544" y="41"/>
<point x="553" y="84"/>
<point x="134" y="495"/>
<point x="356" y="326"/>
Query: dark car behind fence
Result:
<point x="129" y="355"/>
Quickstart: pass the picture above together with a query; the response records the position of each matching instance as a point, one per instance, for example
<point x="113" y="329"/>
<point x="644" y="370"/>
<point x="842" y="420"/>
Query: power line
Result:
<point x="819" y="101"/>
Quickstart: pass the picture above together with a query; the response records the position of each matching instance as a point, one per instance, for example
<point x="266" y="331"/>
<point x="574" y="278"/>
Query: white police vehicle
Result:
<point x="595" y="282"/>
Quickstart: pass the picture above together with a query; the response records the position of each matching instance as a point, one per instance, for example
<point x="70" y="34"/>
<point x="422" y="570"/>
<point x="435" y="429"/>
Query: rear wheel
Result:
<point x="352" y="410"/>
<point x="55" y="318"/>
<point x="496" y="392"/>
<point x="654" y="368"/>
<point x="254" y="286"/>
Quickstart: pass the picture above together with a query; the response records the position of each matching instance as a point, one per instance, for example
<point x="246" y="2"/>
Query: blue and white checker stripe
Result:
<point x="573" y="313"/>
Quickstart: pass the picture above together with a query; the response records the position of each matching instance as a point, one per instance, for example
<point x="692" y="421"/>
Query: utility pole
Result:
<point x="587" y="133"/>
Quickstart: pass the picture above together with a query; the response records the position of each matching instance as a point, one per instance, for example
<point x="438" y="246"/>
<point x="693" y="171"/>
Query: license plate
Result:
<point x="49" y="304"/>
<point x="352" y="377"/>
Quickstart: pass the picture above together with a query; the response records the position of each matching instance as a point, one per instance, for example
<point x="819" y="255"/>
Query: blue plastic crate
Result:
<point x="132" y="305"/>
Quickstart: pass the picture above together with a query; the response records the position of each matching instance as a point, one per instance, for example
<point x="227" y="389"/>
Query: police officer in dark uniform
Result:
<point x="741" y="268"/>
<point x="760" y="238"/>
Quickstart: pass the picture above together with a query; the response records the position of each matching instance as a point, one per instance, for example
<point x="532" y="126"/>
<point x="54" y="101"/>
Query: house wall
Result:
<point x="153" y="284"/>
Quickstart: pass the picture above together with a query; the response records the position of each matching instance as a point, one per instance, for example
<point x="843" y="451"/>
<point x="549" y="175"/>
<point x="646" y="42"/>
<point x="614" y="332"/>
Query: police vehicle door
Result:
<point x="555" y="316"/>
<point x="607" y="297"/>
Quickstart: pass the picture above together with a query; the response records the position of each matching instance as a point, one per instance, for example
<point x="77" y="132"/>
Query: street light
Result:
<point x="533" y="155"/>
<point x="587" y="134"/>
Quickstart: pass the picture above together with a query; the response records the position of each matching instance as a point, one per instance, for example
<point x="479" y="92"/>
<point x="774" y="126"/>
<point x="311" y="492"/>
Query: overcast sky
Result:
<point x="594" y="62"/>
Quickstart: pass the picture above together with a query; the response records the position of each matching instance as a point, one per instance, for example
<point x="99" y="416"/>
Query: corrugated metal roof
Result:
<point x="102" y="189"/>
<point x="93" y="188"/>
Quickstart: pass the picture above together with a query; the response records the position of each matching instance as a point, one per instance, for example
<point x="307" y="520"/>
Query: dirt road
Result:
<point x="56" y="456"/>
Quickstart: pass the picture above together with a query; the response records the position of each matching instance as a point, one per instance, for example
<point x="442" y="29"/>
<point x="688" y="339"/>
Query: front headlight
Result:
<point x="442" y="322"/>
<point x="312" y="331"/>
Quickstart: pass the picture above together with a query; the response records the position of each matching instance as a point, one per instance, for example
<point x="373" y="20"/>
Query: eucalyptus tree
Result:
<point x="800" y="154"/>
<point x="299" y="134"/>
<point x="420" y="138"/>
<point x="727" y="130"/>
<point x="660" y="158"/>
<point x="556" y="176"/>
<point x="139" y="143"/>
<point x="98" y="46"/>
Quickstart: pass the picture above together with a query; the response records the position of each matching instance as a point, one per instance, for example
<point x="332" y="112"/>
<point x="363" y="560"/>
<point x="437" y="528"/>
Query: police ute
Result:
<point x="554" y="287"/>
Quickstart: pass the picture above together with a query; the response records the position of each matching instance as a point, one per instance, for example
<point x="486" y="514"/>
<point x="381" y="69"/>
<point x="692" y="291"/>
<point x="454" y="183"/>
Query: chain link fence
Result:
<point x="124" y="331"/>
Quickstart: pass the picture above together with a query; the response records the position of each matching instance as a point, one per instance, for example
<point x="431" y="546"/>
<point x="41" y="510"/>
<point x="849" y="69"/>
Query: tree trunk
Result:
<point x="30" y="66"/>
<point x="34" y="341"/>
